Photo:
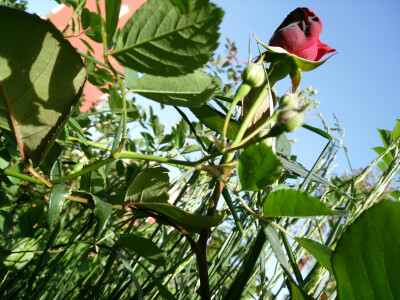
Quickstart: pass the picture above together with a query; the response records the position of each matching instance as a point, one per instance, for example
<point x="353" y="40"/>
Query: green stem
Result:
<point x="96" y="61"/>
<point x="292" y="259"/>
<point x="22" y="176"/>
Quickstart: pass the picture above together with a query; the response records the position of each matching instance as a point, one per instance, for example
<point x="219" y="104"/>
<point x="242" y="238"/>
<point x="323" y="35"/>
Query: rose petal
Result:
<point x="322" y="50"/>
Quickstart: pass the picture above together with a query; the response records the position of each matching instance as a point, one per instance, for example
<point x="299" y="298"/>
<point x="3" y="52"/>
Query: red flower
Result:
<point x="299" y="34"/>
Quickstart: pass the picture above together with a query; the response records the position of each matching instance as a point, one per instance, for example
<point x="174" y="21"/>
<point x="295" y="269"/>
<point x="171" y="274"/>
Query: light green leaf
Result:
<point x="78" y="129"/>
<point x="160" y="39"/>
<point x="102" y="212"/>
<point x="396" y="130"/>
<point x="150" y="185"/>
<point x="191" y="222"/>
<point x="292" y="203"/>
<point x="214" y="120"/>
<point x="395" y="194"/>
<point x="188" y="90"/>
<point x="143" y="247"/>
<point x="58" y="194"/>
<point x="297" y="293"/>
<point x="112" y="16"/>
<point x="258" y="167"/>
<point x="321" y="252"/>
<point x="365" y="260"/>
<point x="41" y="79"/>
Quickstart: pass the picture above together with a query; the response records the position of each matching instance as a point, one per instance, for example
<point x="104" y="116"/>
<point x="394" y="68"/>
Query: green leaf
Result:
<point x="276" y="246"/>
<point x="297" y="293"/>
<point x="143" y="247"/>
<point x="321" y="252"/>
<point x="102" y="212"/>
<point x="130" y="77"/>
<point x="29" y="217"/>
<point x="58" y="194"/>
<point x="395" y="195"/>
<point x="85" y="18"/>
<point x="188" y="90"/>
<point x="159" y="39"/>
<point x="365" y="260"/>
<point x="6" y="222"/>
<point x="214" y="120"/>
<point x="78" y="129"/>
<point x="184" y="5"/>
<point x="283" y="145"/>
<point x="18" y="260"/>
<point x="150" y="185"/>
<point x="41" y="79"/>
<point x="396" y="130"/>
<point x="113" y="8"/>
<point x="292" y="203"/>
<point x="386" y="137"/>
<point x="258" y="167"/>
<point x="191" y="222"/>
<point x="51" y="164"/>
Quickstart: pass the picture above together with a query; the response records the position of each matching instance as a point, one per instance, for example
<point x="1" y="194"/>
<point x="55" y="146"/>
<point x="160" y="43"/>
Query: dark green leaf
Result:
<point x="42" y="78"/>
<point x="102" y="212"/>
<point x="94" y="33"/>
<point x="365" y="260"/>
<point x="192" y="222"/>
<point x="6" y="222"/>
<point x="159" y="39"/>
<point x="58" y="194"/>
<point x="188" y="90"/>
<point x="258" y="167"/>
<point x="112" y="16"/>
<point x="143" y="247"/>
<point x="297" y="293"/>
<point x="292" y="203"/>
<point x="86" y="18"/>
<point x="28" y="219"/>
<point x="214" y="120"/>
<point x="321" y="252"/>
<point x="150" y="185"/>
<point x="78" y="129"/>
<point x="51" y="164"/>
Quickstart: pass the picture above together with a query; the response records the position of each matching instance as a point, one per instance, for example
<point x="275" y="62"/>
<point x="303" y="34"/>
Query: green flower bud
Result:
<point x="290" y="118"/>
<point x="254" y="75"/>
<point x="289" y="100"/>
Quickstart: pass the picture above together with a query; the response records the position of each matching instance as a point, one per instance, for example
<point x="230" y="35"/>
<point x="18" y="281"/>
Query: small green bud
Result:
<point x="290" y="118"/>
<point x="289" y="100"/>
<point x="254" y="75"/>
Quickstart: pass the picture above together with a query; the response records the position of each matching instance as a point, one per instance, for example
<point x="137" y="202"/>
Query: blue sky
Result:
<point x="358" y="84"/>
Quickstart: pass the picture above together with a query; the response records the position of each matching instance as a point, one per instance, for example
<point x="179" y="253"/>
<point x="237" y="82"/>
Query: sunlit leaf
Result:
<point x="292" y="203"/>
<point x="160" y="39"/>
<point x="258" y="167"/>
<point x="188" y="90"/>
<point x="321" y="252"/>
<point x="365" y="260"/>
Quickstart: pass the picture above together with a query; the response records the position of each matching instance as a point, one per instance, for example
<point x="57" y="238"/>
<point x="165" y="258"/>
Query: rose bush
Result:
<point x="299" y="35"/>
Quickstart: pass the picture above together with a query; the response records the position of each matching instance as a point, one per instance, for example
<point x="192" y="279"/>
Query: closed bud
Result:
<point x="289" y="100"/>
<point x="290" y="118"/>
<point x="254" y="75"/>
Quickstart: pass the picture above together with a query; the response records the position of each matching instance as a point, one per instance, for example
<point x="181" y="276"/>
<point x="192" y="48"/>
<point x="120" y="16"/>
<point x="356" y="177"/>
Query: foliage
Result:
<point x="112" y="204"/>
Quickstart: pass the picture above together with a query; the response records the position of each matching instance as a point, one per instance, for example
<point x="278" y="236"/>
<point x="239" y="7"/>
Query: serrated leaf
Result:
<point x="41" y="79"/>
<point x="365" y="261"/>
<point x="321" y="252"/>
<point x="214" y="120"/>
<point x="143" y="247"/>
<point x="191" y="222"/>
<point x="102" y="211"/>
<point x="150" y="185"/>
<point x="58" y="194"/>
<point x="258" y="167"/>
<point x="112" y="16"/>
<point x="188" y="90"/>
<point x="160" y="39"/>
<point x="292" y="203"/>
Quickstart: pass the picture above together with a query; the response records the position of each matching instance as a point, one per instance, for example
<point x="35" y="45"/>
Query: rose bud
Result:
<point x="254" y="74"/>
<point x="290" y="118"/>
<point x="288" y="100"/>
<point x="299" y="34"/>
